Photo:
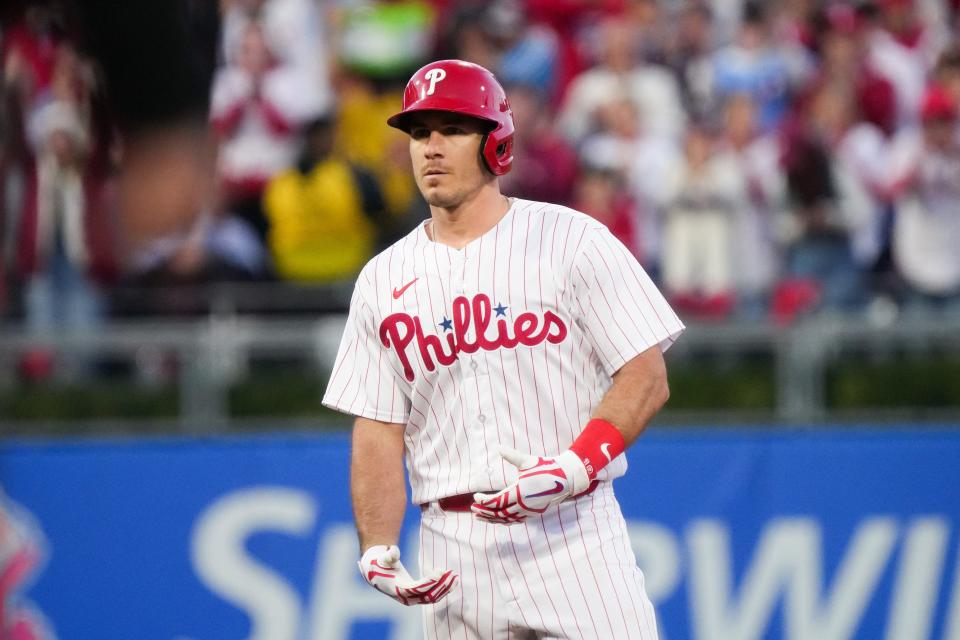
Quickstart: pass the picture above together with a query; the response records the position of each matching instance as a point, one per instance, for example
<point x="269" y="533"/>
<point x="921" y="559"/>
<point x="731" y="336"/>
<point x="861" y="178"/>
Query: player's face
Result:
<point x="445" y="149"/>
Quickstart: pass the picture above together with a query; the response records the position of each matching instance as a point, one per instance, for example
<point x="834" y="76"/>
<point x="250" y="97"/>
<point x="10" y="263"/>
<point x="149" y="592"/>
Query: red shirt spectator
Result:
<point x="548" y="166"/>
<point x="600" y="193"/>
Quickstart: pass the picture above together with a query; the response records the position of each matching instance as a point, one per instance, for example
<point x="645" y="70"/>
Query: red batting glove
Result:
<point x="381" y="567"/>
<point x="542" y="482"/>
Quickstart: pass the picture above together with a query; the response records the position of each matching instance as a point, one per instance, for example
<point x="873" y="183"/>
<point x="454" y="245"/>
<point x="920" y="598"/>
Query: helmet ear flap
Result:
<point x="496" y="152"/>
<point x="483" y="153"/>
<point x="484" y="141"/>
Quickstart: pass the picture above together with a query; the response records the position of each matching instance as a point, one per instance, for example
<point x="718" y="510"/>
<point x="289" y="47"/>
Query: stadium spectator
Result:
<point x="325" y="214"/>
<point x="56" y="236"/>
<point x="294" y="29"/>
<point x="698" y="229"/>
<point x="600" y="192"/>
<point x="926" y="177"/>
<point x="54" y="232"/>
<point x="649" y="162"/>
<point x="465" y="37"/>
<point x="690" y="56"/>
<point x="649" y="23"/>
<point x="651" y="88"/>
<point x="844" y="60"/>
<point x="258" y="105"/>
<point x="363" y="138"/>
<point x="548" y="166"/>
<point x="30" y="51"/>
<point x="757" y="65"/>
<point x="529" y="50"/>
<point x="759" y="200"/>
<point x="500" y="36"/>
<point x="571" y="20"/>
<point x="829" y="161"/>
<point x="903" y="47"/>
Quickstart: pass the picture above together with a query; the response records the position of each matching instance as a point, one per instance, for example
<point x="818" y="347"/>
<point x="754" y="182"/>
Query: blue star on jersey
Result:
<point x="447" y="324"/>
<point x="501" y="310"/>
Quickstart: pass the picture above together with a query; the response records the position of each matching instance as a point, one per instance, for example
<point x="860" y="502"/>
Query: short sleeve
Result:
<point x="619" y="308"/>
<point x="362" y="382"/>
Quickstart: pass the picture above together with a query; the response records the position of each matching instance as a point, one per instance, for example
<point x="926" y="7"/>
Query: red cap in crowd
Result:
<point x="938" y="105"/>
<point x="844" y="19"/>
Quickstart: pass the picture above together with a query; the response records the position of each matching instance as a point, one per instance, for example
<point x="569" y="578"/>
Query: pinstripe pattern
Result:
<point x="570" y="574"/>
<point x="560" y="305"/>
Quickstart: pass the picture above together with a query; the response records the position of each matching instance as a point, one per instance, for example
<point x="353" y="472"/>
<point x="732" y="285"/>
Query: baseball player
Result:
<point x="510" y="351"/>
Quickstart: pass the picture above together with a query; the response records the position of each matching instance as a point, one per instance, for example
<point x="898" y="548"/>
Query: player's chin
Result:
<point x="441" y="197"/>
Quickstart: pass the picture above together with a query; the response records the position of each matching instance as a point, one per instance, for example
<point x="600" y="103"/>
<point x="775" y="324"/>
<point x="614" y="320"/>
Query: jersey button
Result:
<point x="473" y="365"/>
<point x="482" y="418"/>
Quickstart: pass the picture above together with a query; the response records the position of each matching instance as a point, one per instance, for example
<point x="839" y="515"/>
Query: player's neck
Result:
<point x="458" y="227"/>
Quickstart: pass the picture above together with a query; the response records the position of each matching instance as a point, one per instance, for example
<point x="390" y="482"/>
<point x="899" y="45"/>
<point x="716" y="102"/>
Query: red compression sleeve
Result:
<point x="597" y="445"/>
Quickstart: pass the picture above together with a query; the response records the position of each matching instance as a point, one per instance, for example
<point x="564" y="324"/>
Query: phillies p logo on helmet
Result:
<point x="434" y="75"/>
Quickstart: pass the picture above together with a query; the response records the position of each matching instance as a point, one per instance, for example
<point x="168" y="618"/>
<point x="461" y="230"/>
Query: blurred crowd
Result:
<point x="763" y="160"/>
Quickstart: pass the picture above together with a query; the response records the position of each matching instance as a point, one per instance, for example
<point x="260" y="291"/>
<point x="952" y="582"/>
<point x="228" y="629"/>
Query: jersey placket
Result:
<point x="473" y="372"/>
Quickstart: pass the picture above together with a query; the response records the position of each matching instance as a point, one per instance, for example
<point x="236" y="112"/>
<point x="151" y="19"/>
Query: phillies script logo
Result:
<point x="399" y="330"/>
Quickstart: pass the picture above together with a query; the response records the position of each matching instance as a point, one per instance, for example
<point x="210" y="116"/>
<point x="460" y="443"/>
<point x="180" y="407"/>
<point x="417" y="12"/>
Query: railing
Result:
<point x="212" y="352"/>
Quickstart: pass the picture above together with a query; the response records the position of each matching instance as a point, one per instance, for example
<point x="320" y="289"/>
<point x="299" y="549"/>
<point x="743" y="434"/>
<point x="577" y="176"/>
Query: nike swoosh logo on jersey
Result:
<point x="399" y="292"/>
<point x="557" y="488"/>
<point x="605" y="450"/>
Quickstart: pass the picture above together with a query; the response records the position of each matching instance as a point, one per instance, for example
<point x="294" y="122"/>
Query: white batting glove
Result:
<point x="542" y="482"/>
<point x="381" y="567"/>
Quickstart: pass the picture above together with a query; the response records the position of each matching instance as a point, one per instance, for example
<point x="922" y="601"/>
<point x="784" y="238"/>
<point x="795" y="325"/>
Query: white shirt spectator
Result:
<point x="906" y="69"/>
<point x="262" y="139"/>
<point x="651" y="88"/>
<point x="61" y="199"/>
<point x="926" y="233"/>
<point x="295" y="34"/>
<point x="860" y="168"/>
<point x="759" y="196"/>
<point x="652" y="165"/>
<point x="698" y="229"/>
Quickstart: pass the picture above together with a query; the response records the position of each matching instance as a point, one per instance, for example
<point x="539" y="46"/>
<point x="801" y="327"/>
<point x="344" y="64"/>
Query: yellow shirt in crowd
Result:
<point x="318" y="229"/>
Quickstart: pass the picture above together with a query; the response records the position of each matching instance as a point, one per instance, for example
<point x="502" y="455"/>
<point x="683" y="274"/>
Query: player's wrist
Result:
<point x="576" y="472"/>
<point x="597" y="445"/>
<point x="373" y="552"/>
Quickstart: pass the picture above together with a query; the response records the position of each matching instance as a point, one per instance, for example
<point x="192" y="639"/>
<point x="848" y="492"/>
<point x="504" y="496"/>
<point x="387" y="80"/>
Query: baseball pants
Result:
<point x="570" y="573"/>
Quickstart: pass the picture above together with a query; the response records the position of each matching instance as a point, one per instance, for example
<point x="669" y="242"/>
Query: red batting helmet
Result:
<point x="468" y="89"/>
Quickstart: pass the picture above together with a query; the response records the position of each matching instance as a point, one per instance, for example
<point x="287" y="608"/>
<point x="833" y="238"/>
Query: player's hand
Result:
<point x="381" y="567"/>
<point x="542" y="482"/>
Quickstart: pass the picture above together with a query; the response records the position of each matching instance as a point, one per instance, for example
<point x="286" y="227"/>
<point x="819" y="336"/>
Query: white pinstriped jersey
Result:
<point x="512" y="339"/>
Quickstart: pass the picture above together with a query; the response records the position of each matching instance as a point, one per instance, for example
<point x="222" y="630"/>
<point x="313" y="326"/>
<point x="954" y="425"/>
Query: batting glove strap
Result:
<point x="597" y="445"/>
<point x="575" y="470"/>
<point x="381" y="567"/>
